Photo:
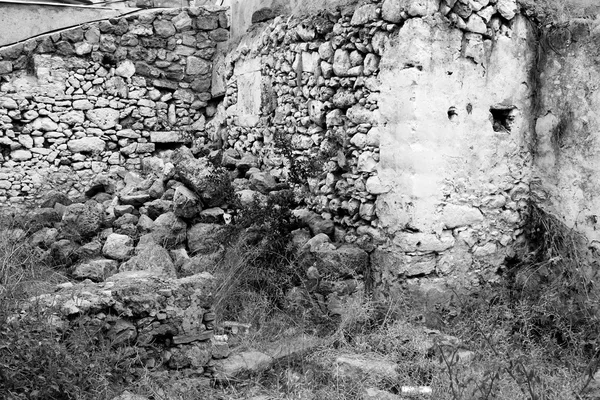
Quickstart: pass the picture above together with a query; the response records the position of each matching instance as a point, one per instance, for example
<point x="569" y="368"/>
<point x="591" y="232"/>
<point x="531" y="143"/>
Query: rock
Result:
<point x="424" y="242"/>
<point x="374" y="186"/>
<point x="5" y="67"/>
<point x="8" y="103"/>
<point x="392" y="11"/>
<point x="44" y="124"/>
<point x="182" y="21"/>
<point x="118" y="247"/>
<point x="397" y="262"/>
<point x="81" y="220"/>
<point x="197" y="66"/>
<point x="151" y="258"/>
<point x="316" y="112"/>
<point x="95" y="270"/>
<point x="169" y="137"/>
<point x="378" y="394"/>
<point x="164" y="28"/>
<point x="135" y="199"/>
<point x="86" y="145"/>
<point x="186" y="204"/>
<point x="476" y="24"/>
<point x="264" y="14"/>
<point x="44" y="237"/>
<point x="358" y="366"/>
<point x="198" y="174"/>
<point x="64" y="252"/>
<point x="53" y="197"/>
<point x="104" y="118"/>
<point x="263" y="182"/>
<point x="422" y="8"/>
<point x="21" y="155"/>
<point x="364" y="14"/>
<point x="126" y="69"/>
<point x="341" y="62"/>
<point x="454" y="216"/>
<point x="202" y="263"/>
<point x="315" y="222"/>
<point x="507" y="8"/>
<point x="203" y="238"/>
<point x="72" y="117"/>
<point x="82" y="105"/>
<point x="168" y="230"/>
<point x="345" y="261"/>
<point x="235" y="365"/>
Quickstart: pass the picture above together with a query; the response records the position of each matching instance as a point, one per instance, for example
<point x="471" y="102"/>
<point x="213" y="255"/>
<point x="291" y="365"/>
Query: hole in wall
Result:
<point x="503" y="117"/>
<point x="108" y="60"/>
<point x="452" y="113"/>
<point x="410" y="65"/>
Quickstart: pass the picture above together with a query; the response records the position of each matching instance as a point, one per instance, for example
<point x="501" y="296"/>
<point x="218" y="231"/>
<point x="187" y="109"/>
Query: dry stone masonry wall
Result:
<point x="412" y="120"/>
<point x="97" y="98"/>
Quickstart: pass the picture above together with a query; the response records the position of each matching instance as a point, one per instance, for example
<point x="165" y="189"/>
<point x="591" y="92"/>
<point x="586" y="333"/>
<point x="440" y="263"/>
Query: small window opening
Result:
<point x="452" y="113"/>
<point x="503" y="117"/>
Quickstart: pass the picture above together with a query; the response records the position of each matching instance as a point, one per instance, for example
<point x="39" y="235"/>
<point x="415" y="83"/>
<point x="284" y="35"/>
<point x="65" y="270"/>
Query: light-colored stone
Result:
<point x="21" y="155"/>
<point x="507" y="8"/>
<point x="104" y="118"/>
<point x="126" y="69"/>
<point x="454" y="216"/>
<point x="86" y="145"/>
<point x="248" y="361"/>
<point x="118" y="247"/>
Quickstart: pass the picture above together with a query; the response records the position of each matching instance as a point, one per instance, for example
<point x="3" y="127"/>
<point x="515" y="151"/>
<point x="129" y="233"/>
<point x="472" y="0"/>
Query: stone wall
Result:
<point x="417" y="114"/>
<point x="567" y="143"/>
<point x="95" y="99"/>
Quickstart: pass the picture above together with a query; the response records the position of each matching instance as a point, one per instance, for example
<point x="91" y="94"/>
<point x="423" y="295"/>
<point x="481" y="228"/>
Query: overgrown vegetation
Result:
<point x="557" y="12"/>
<point x="39" y="358"/>
<point x="259" y="260"/>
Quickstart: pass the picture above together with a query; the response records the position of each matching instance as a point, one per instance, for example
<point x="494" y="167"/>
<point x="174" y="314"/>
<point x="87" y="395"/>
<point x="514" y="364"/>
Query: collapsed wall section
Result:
<point x="95" y="99"/>
<point x="410" y="121"/>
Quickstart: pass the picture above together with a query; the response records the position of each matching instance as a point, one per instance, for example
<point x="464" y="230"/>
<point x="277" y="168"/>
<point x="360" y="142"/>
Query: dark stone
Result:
<point x="65" y="48"/>
<point x="207" y="22"/>
<point x="201" y="85"/>
<point x="154" y="42"/>
<point x="45" y="46"/>
<point x="53" y="197"/>
<point x="219" y="35"/>
<point x="144" y="69"/>
<point x="12" y="52"/>
<point x="264" y="14"/>
<point x="73" y="35"/>
<point x="121" y="27"/>
<point x="129" y="39"/>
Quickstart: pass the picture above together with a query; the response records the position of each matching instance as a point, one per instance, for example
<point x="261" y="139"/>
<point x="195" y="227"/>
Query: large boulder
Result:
<point x="95" y="270"/>
<point x="186" y="204"/>
<point x="82" y="220"/>
<point x="169" y="230"/>
<point x="200" y="175"/>
<point x="152" y="258"/>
